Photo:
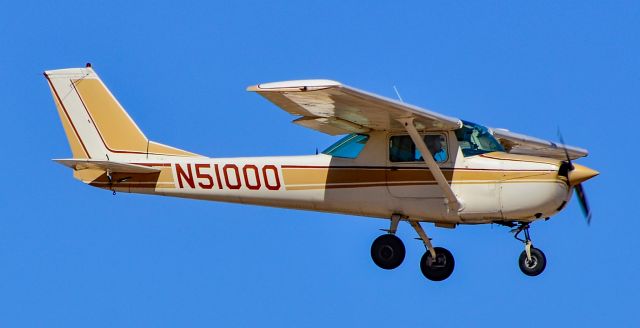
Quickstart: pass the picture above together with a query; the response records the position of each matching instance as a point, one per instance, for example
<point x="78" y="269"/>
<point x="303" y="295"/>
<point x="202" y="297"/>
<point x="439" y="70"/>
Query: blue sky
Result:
<point x="75" y="256"/>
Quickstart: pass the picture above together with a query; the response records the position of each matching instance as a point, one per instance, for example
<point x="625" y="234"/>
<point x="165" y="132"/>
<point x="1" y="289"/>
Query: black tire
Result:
<point x="387" y="251"/>
<point x="536" y="265"/>
<point x="440" y="269"/>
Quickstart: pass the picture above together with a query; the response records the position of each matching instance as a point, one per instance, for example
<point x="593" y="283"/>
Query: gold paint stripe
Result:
<point x="116" y="128"/>
<point x="338" y="175"/>
<point x="112" y="122"/>
<point x="356" y="186"/>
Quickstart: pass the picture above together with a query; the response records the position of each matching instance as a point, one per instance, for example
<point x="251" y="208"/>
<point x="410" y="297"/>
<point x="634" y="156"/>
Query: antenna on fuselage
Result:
<point x="398" y="93"/>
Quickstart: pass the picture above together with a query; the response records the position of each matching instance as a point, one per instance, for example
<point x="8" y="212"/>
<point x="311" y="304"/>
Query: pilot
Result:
<point x="435" y="147"/>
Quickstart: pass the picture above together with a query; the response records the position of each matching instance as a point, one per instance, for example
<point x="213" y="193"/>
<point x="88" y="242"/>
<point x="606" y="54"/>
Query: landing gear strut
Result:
<point x="437" y="263"/>
<point x="532" y="260"/>
<point x="388" y="252"/>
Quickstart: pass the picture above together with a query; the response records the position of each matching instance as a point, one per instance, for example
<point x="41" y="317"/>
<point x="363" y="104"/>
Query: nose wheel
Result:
<point x="534" y="264"/>
<point x="532" y="261"/>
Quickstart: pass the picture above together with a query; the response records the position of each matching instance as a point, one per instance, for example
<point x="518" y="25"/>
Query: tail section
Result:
<point x="96" y="125"/>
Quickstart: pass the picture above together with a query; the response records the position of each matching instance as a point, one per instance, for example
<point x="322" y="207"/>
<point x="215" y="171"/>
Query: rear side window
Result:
<point x="402" y="148"/>
<point x="348" y="147"/>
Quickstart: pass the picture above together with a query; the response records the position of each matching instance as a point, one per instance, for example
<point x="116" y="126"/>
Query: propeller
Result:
<point x="580" y="193"/>
<point x="584" y="205"/>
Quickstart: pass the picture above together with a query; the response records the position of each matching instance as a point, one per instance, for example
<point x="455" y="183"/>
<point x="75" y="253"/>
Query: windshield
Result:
<point x="476" y="139"/>
<point x="348" y="147"/>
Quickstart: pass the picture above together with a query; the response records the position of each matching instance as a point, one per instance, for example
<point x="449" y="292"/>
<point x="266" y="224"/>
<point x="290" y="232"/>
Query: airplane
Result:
<point x="474" y="174"/>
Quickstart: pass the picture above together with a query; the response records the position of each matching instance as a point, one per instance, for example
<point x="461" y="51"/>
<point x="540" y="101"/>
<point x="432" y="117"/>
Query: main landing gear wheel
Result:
<point x="387" y="251"/>
<point x="536" y="265"/>
<point x="440" y="268"/>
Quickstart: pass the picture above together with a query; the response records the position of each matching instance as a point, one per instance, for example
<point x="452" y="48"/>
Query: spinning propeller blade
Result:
<point x="580" y="193"/>
<point x="584" y="205"/>
<point x="566" y="152"/>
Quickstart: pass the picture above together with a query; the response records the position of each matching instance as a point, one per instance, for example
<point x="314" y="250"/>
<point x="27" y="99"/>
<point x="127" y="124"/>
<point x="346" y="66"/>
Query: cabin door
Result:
<point x="407" y="174"/>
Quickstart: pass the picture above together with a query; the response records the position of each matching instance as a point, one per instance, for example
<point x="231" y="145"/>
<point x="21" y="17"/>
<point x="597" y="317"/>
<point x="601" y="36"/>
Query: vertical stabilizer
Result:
<point x="96" y="125"/>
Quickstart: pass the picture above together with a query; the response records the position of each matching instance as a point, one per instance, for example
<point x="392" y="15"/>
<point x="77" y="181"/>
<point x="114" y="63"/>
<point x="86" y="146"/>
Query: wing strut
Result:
<point x="452" y="201"/>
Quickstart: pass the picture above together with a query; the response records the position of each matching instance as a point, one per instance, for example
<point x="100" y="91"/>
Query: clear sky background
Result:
<point x="76" y="256"/>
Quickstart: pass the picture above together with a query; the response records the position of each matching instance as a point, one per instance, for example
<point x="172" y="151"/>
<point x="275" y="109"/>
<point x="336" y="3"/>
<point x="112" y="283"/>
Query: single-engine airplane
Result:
<point x="472" y="175"/>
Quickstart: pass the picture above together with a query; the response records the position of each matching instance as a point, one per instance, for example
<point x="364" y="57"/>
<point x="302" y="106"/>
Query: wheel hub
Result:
<point x="532" y="263"/>
<point x="386" y="252"/>
<point x="440" y="261"/>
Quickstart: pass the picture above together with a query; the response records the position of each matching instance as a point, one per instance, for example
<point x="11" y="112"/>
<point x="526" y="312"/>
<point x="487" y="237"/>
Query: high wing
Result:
<point x="334" y="108"/>
<point x="516" y="143"/>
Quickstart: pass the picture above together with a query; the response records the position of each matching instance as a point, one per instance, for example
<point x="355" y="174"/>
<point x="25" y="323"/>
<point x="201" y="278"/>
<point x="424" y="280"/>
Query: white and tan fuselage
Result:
<point x="492" y="187"/>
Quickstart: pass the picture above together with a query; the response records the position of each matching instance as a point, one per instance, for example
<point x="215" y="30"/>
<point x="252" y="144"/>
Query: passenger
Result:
<point x="405" y="150"/>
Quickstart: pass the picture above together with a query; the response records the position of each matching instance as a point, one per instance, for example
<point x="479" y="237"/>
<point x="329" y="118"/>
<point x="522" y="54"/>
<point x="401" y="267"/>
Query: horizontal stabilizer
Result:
<point x="115" y="167"/>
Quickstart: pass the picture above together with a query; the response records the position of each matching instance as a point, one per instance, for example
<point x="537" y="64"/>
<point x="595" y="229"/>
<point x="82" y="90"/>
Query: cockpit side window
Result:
<point x="348" y="147"/>
<point x="476" y="139"/>
<point x="402" y="148"/>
